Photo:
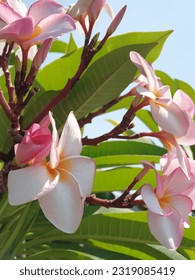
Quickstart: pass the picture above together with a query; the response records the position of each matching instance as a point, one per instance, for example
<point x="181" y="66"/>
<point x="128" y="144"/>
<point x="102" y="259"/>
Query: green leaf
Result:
<point x="126" y="231"/>
<point x="59" y="46"/>
<point x="118" y="179"/>
<point x="105" y="72"/>
<point x="116" y="153"/>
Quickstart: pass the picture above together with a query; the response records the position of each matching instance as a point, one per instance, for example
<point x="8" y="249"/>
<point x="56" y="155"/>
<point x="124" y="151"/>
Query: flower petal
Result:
<point x="150" y="199"/>
<point x="18" y="30"/>
<point x="18" y="7"/>
<point x="168" y="230"/>
<point x="170" y="117"/>
<point x="177" y="182"/>
<point x="30" y="183"/>
<point x="7" y="14"/>
<point x="83" y="170"/>
<point x="184" y="102"/>
<point x="183" y="205"/>
<point x="79" y="8"/>
<point x="54" y="157"/>
<point x="63" y="206"/>
<point x="53" y="26"/>
<point x="43" y="9"/>
<point x="145" y="69"/>
<point x="70" y="140"/>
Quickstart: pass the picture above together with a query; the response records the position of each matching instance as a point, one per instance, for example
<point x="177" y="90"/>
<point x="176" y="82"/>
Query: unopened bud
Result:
<point x="116" y="21"/>
<point x="95" y="9"/>
<point x="42" y="53"/>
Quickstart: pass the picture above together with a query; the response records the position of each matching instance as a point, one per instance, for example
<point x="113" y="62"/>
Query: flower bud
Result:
<point x="116" y="21"/>
<point x="35" y="145"/>
<point x="42" y="53"/>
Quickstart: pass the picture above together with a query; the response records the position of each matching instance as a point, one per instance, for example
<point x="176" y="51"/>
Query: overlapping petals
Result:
<point x="62" y="184"/>
<point x="35" y="145"/>
<point x="45" y="19"/>
<point x="168" y="207"/>
<point x="168" y="115"/>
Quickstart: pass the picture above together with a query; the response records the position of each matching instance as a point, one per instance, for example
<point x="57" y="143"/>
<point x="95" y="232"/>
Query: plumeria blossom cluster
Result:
<point x="171" y="202"/>
<point x="60" y="184"/>
<point x="51" y="169"/>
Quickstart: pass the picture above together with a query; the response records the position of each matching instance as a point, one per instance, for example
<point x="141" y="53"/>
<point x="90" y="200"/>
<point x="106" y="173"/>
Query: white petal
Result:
<point x="28" y="184"/>
<point x="168" y="230"/>
<point x="150" y="199"/>
<point x="83" y="170"/>
<point x="70" y="140"/>
<point x="183" y="205"/>
<point x="54" y="157"/>
<point x="63" y="206"/>
<point x="170" y="117"/>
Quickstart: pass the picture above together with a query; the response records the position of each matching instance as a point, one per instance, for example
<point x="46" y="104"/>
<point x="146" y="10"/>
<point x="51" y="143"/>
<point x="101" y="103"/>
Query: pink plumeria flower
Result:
<point x="35" y="145"/>
<point x="62" y="184"/>
<point x="19" y="7"/>
<point x="187" y="105"/>
<point x="86" y="13"/>
<point x="44" y="19"/>
<point x="168" y="115"/>
<point x="168" y="166"/>
<point x="168" y="207"/>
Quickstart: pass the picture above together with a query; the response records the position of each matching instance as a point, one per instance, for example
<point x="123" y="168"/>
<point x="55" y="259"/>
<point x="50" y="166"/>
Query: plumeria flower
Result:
<point x="44" y="19"/>
<point x="187" y="105"/>
<point x="86" y="13"/>
<point x="35" y="145"/>
<point x="168" y="115"/>
<point x="168" y="207"/>
<point x="62" y="184"/>
<point x="168" y="166"/>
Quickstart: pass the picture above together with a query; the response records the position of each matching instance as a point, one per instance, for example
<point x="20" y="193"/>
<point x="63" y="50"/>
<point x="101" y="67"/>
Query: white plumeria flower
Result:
<point x="61" y="185"/>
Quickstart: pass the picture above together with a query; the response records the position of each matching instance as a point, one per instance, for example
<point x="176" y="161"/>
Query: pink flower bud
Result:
<point x="42" y="53"/>
<point x="116" y="21"/>
<point x="95" y="9"/>
<point x="35" y="145"/>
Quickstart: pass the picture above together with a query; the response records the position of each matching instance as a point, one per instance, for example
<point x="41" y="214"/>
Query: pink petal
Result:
<point x="18" y="30"/>
<point x="63" y="206"/>
<point x="189" y="138"/>
<point x="7" y="14"/>
<point x="184" y="102"/>
<point x="42" y="9"/>
<point x="150" y="199"/>
<point x="79" y="8"/>
<point x="170" y="118"/>
<point x="70" y="140"/>
<point x="183" y="205"/>
<point x="145" y="69"/>
<point x="30" y="183"/>
<point x="53" y="26"/>
<point x="18" y="7"/>
<point x="83" y="170"/>
<point x="109" y="10"/>
<point x="54" y="156"/>
<point x="177" y="181"/>
<point x="31" y="153"/>
<point x="168" y="230"/>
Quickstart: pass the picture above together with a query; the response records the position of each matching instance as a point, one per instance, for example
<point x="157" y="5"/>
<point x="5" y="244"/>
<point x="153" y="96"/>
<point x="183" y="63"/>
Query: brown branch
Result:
<point x="125" y="200"/>
<point x="106" y="107"/>
<point x="123" y="126"/>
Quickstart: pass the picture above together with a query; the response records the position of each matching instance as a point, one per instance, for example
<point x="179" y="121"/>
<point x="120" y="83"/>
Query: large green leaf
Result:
<point x="110" y="68"/>
<point x="126" y="231"/>
<point x="116" y="153"/>
<point x="118" y="179"/>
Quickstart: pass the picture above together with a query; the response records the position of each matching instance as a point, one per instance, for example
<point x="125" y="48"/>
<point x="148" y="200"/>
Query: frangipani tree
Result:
<point x="119" y="192"/>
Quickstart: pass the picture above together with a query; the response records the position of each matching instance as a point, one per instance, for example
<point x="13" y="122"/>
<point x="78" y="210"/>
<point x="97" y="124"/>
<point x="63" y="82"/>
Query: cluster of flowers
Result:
<point x="171" y="202"/>
<point x="62" y="184"/>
